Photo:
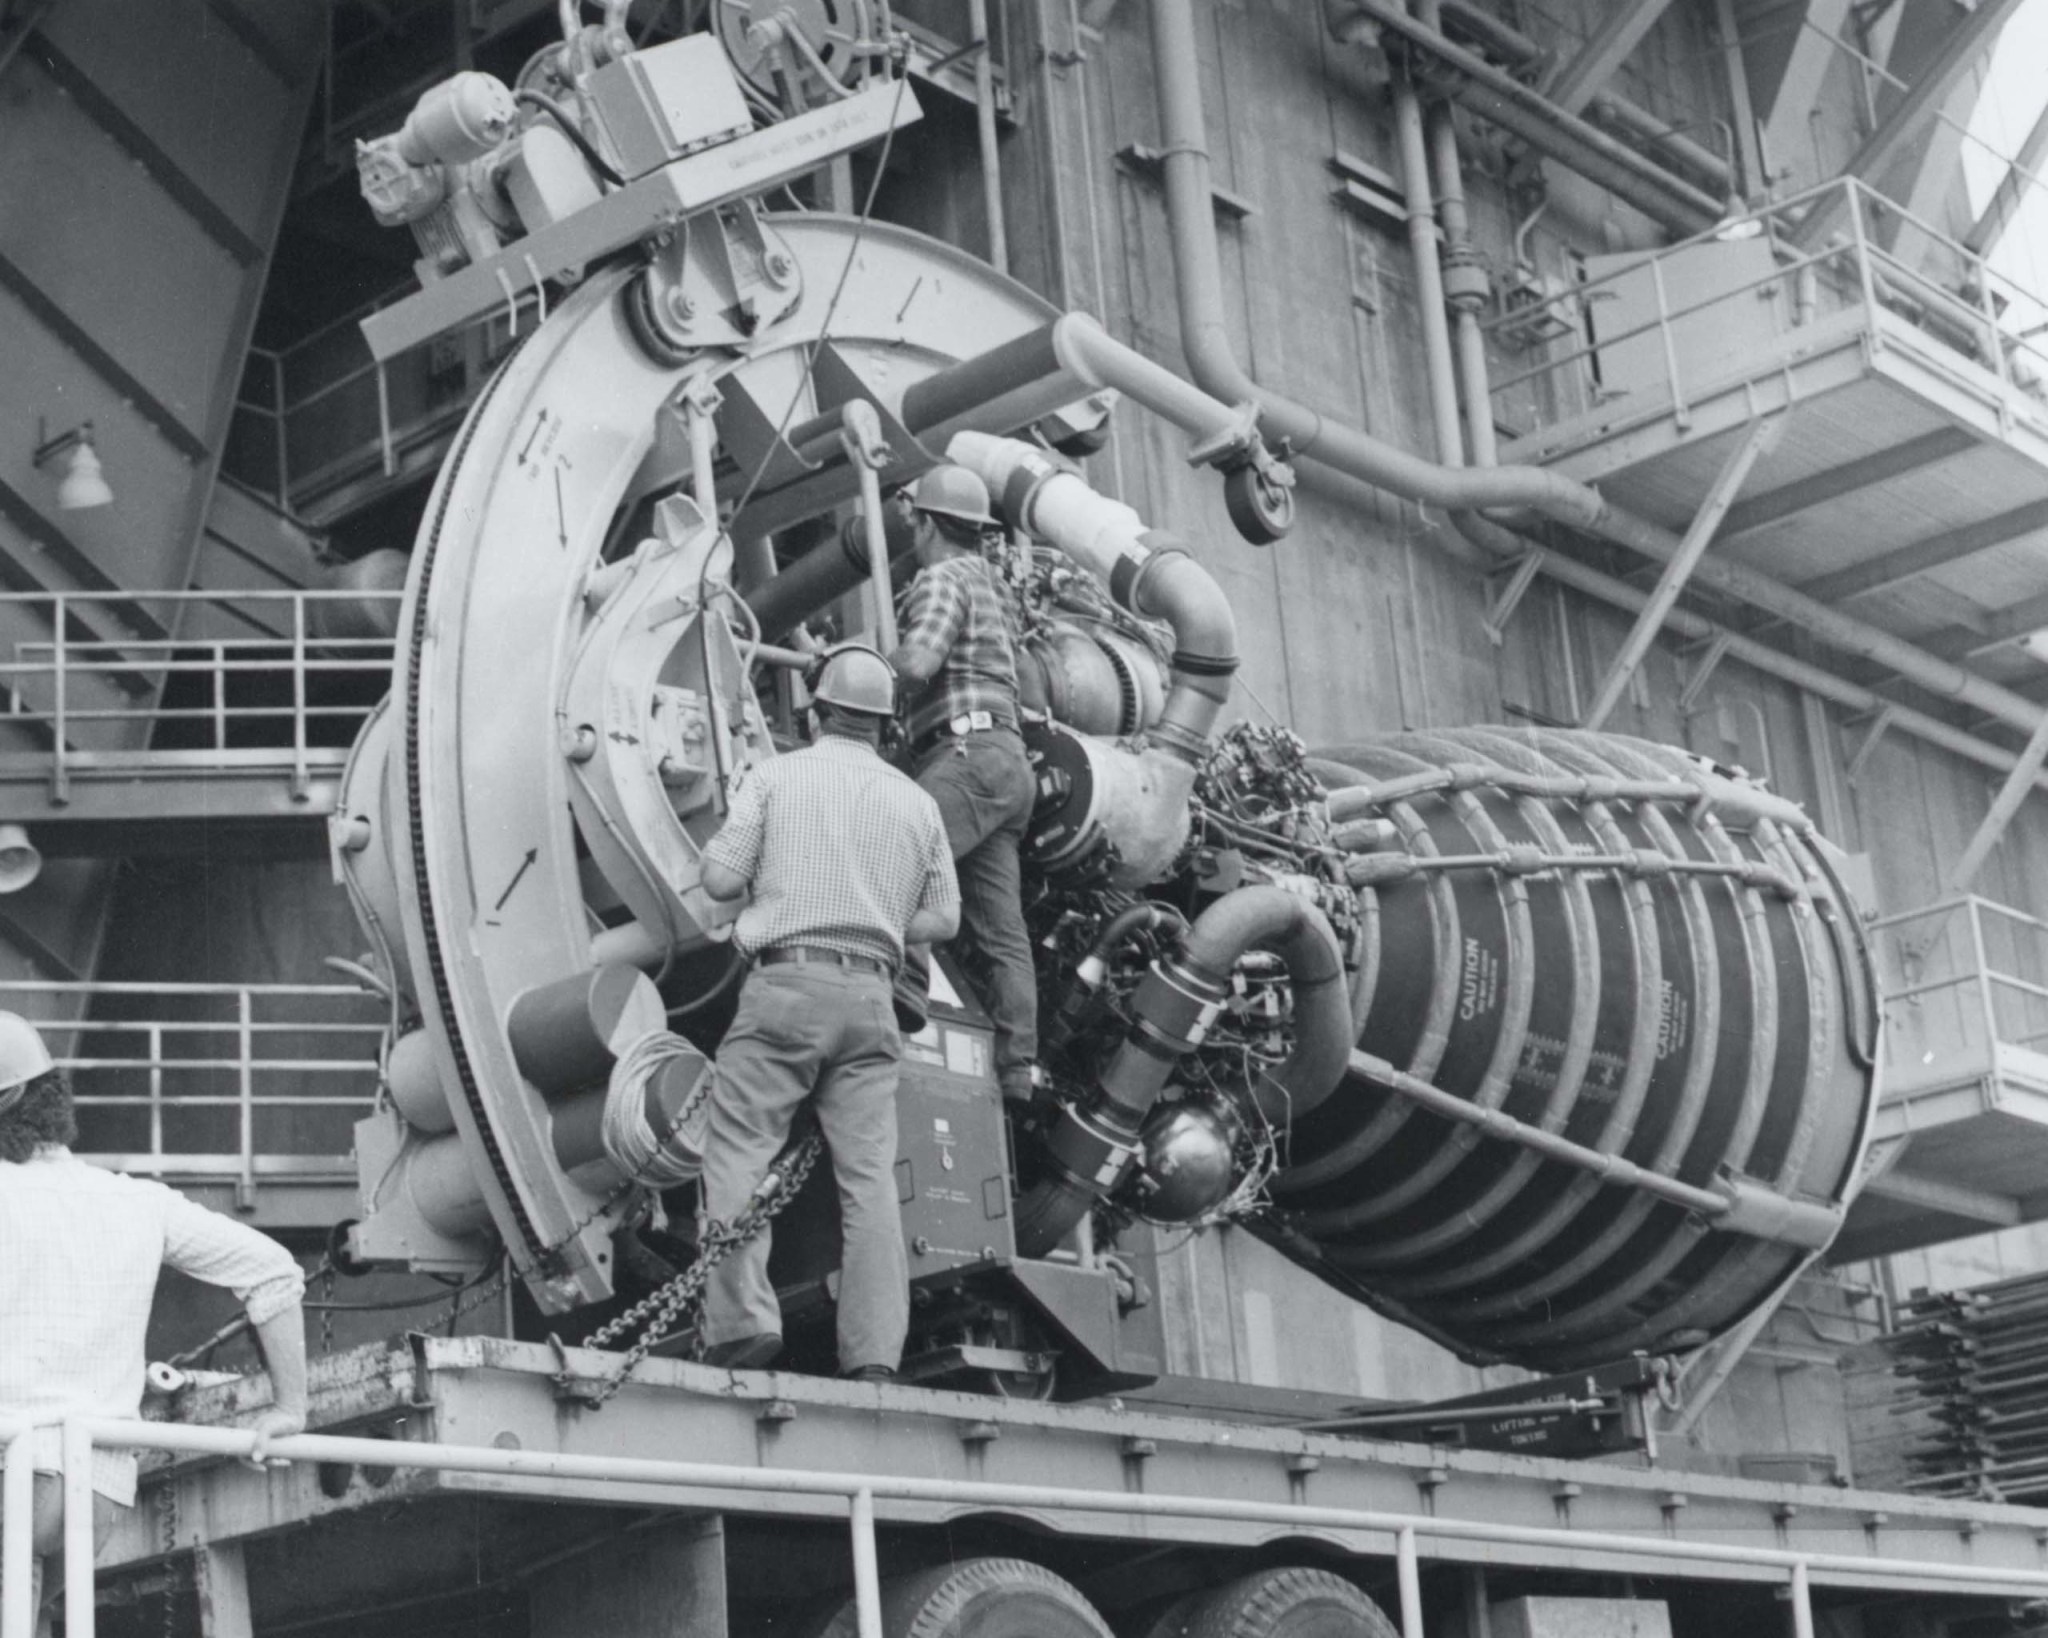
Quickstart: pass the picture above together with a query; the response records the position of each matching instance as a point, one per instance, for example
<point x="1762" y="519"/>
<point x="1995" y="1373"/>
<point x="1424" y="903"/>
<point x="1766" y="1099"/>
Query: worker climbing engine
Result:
<point x="1555" y="1046"/>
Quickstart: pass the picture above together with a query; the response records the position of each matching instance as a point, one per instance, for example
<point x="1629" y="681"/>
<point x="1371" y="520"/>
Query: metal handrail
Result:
<point x="1881" y="279"/>
<point x="197" y="1047"/>
<point x="46" y="681"/>
<point x="860" y="1492"/>
<point x="279" y="412"/>
<point x="1976" y="973"/>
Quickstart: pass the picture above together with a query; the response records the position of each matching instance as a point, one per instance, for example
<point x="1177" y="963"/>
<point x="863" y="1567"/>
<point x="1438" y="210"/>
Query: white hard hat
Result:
<point x="22" y="1056"/>
<point x="855" y="677"/>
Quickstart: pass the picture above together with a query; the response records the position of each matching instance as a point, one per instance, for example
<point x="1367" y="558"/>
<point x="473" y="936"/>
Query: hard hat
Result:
<point x="22" y="1056"/>
<point x="855" y="677"/>
<point x="954" y="492"/>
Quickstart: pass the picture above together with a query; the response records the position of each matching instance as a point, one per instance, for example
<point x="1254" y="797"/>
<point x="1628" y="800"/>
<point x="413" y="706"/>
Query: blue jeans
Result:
<point x="984" y="790"/>
<point x="827" y="1035"/>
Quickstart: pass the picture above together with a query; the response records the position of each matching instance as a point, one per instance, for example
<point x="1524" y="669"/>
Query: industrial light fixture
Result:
<point x="82" y="483"/>
<point x="20" y="863"/>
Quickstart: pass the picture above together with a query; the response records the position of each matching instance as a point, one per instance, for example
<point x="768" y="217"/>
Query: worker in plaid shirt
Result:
<point x="966" y="749"/>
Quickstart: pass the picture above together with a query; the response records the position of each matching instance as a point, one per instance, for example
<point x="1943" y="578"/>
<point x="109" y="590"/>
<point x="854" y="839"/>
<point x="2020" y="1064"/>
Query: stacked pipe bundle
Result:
<point x="1970" y="1391"/>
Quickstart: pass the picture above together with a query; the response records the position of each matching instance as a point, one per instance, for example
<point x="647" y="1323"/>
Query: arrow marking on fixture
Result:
<point x="561" y="516"/>
<point x="518" y="876"/>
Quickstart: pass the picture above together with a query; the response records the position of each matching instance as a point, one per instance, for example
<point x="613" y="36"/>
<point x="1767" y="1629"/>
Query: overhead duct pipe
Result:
<point x="1475" y="23"/>
<point x="826" y="571"/>
<point x="1205" y="338"/>
<point x="1503" y="100"/>
<point x="1147" y="572"/>
<point x="1136" y="803"/>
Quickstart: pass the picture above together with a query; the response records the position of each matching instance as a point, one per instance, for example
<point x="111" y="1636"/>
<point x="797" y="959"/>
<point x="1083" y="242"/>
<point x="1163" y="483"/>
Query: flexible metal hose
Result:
<point x="1090" y="1148"/>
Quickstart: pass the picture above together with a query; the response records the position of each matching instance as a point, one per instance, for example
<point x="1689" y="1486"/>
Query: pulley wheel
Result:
<point x="1263" y="511"/>
<point x="980" y="1598"/>
<point x="1281" y="1603"/>
<point x="836" y="29"/>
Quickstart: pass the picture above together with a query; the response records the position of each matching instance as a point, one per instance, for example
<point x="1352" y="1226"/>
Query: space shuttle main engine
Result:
<point x="1554" y="1045"/>
<point x="1617" y="1037"/>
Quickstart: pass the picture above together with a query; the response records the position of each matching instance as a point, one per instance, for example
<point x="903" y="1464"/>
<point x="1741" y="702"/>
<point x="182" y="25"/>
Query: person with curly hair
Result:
<point x="84" y="1248"/>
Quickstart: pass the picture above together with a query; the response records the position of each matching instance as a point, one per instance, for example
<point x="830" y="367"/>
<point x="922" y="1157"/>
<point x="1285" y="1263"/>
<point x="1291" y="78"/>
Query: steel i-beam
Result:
<point x="1720" y="496"/>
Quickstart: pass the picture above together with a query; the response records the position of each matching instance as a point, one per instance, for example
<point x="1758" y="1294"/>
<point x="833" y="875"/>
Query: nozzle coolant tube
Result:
<point x="1092" y="1145"/>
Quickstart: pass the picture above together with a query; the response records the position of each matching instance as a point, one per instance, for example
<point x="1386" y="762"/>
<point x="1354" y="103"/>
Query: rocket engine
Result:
<point x="1556" y="1046"/>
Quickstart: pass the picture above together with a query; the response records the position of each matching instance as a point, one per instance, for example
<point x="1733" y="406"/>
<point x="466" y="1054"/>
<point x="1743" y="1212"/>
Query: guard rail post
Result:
<point x="1802" y="1602"/>
<point x="277" y="423"/>
<point x="1980" y="956"/>
<point x="867" y="1575"/>
<point x="245" y="1073"/>
<point x="1681" y="412"/>
<point x="60" y="774"/>
<point x="17" y="1558"/>
<point x="220" y="696"/>
<point x="1866" y="275"/>
<point x="1408" y="1571"/>
<point x="81" y="1545"/>
<point x="300" y="779"/>
<point x="156" y="1091"/>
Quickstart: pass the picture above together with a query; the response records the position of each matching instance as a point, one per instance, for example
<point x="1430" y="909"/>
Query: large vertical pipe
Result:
<point x="1429" y="282"/>
<point x="985" y="133"/>
<point x="1466" y="287"/>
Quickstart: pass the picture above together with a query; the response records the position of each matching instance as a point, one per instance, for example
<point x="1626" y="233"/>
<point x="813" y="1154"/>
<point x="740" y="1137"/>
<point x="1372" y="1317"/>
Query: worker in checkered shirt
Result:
<point x="83" y="1249"/>
<point x="847" y="865"/>
<point x="967" y="750"/>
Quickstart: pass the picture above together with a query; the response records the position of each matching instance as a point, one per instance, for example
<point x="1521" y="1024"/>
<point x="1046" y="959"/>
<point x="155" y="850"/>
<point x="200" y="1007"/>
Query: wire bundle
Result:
<point x="659" y="1160"/>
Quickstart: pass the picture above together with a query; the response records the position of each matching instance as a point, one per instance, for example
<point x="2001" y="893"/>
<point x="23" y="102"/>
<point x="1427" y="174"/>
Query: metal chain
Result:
<point x="327" y="1313"/>
<point x="657" y="1312"/>
<point x="462" y="1303"/>
<point x="167" y="1519"/>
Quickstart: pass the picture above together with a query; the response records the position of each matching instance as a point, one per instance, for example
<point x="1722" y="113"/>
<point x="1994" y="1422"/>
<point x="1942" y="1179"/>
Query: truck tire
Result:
<point x="979" y="1598"/>
<point x="1283" y="1603"/>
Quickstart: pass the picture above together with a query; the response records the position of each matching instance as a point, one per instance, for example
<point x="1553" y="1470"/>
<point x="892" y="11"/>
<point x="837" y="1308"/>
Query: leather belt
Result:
<point x="967" y="722"/>
<point x="802" y="955"/>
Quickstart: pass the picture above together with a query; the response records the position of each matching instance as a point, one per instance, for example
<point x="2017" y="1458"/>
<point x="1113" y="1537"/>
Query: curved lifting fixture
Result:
<point x="506" y="720"/>
<point x="561" y="715"/>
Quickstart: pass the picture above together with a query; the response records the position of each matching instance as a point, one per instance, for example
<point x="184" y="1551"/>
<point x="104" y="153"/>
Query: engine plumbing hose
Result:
<point x="1146" y="916"/>
<point x="1091" y="1146"/>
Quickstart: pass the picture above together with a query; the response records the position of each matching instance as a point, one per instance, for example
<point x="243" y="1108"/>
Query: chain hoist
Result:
<point x="658" y="1312"/>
